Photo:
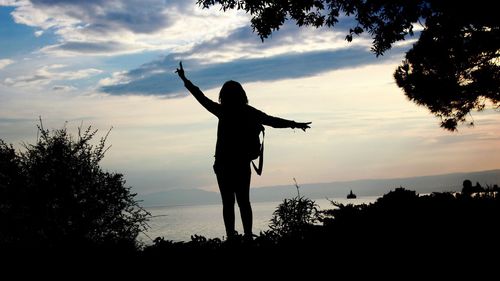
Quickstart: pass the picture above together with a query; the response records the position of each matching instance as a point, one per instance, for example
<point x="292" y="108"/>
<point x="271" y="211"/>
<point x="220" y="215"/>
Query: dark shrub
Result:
<point x="54" y="194"/>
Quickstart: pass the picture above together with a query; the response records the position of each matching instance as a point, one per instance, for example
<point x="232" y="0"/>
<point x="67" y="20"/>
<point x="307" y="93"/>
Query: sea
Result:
<point x="179" y="223"/>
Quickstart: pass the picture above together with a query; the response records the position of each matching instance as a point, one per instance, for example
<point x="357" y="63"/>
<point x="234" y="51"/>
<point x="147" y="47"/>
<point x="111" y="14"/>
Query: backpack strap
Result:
<point x="261" y="156"/>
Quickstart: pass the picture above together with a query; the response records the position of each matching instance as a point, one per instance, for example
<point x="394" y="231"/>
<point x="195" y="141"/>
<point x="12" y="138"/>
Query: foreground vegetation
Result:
<point x="54" y="195"/>
<point x="399" y="224"/>
<point x="56" y="201"/>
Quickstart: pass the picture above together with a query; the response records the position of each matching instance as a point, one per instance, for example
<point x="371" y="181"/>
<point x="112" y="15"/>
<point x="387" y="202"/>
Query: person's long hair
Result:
<point x="232" y="94"/>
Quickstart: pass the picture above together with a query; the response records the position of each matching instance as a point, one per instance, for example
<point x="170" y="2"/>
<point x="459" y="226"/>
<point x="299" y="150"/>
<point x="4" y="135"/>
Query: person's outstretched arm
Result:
<point x="207" y="103"/>
<point x="277" y="122"/>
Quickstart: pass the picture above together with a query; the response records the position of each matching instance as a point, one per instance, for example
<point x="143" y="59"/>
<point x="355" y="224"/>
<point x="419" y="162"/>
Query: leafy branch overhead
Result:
<point x="454" y="67"/>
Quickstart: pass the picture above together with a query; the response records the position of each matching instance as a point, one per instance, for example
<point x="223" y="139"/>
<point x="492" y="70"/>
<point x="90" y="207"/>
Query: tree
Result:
<point x="452" y="69"/>
<point x="55" y="195"/>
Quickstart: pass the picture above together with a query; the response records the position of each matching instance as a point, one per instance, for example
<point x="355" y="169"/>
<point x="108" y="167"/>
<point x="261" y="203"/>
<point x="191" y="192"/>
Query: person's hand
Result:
<point x="180" y="71"/>
<point x="302" y="126"/>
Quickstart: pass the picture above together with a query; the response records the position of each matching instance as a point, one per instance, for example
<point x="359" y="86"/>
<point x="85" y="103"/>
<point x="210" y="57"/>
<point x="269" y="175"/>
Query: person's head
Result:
<point x="232" y="93"/>
<point x="467" y="184"/>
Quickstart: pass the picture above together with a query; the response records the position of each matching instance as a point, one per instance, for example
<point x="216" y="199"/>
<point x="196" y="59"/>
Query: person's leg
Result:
<point x="227" y="195"/>
<point x="243" y="198"/>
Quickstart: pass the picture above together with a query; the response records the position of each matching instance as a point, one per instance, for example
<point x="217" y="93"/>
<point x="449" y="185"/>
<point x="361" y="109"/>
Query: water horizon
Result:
<point x="179" y="222"/>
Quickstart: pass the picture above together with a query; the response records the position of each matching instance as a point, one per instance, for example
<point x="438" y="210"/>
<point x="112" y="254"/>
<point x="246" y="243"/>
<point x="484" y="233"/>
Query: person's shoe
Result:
<point x="232" y="237"/>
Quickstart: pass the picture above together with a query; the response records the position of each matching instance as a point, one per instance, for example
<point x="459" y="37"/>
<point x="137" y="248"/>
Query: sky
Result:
<point x="110" y="64"/>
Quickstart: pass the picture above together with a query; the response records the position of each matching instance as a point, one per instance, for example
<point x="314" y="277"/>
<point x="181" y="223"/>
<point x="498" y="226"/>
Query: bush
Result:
<point x="55" y="194"/>
<point x="294" y="216"/>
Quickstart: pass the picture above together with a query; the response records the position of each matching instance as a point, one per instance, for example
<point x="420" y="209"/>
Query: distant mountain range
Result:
<point x="338" y="189"/>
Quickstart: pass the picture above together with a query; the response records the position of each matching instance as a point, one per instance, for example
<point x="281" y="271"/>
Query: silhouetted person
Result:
<point x="467" y="188"/>
<point x="237" y="121"/>
<point x="478" y="187"/>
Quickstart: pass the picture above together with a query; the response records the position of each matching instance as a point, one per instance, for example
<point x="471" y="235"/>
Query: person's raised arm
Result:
<point x="207" y="103"/>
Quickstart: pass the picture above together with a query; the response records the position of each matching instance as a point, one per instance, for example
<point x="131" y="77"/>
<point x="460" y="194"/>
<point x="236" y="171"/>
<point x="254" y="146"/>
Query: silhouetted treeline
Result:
<point x="403" y="219"/>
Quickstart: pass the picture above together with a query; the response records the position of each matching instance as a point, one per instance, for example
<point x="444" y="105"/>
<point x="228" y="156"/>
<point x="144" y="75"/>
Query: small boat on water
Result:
<point x="351" y="195"/>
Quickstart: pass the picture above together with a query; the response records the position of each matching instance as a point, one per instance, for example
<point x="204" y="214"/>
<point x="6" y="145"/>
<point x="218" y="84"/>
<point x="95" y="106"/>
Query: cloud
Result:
<point x="5" y="62"/>
<point x="157" y="78"/>
<point x="92" y="48"/>
<point x="63" y="88"/>
<point x="243" y="43"/>
<point x="10" y="2"/>
<point x="292" y="52"/>
<point x="50" y="73"/>
<point x="105" y="27"/>
<point x="216" y="44"/>
<point x="98" y="15"/>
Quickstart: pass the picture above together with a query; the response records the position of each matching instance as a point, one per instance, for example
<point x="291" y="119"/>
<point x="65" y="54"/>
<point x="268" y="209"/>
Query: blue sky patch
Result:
<point x="19" y="39"/>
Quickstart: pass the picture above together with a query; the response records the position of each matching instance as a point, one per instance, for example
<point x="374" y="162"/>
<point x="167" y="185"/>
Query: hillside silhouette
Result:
<point x="364" y="187"/>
